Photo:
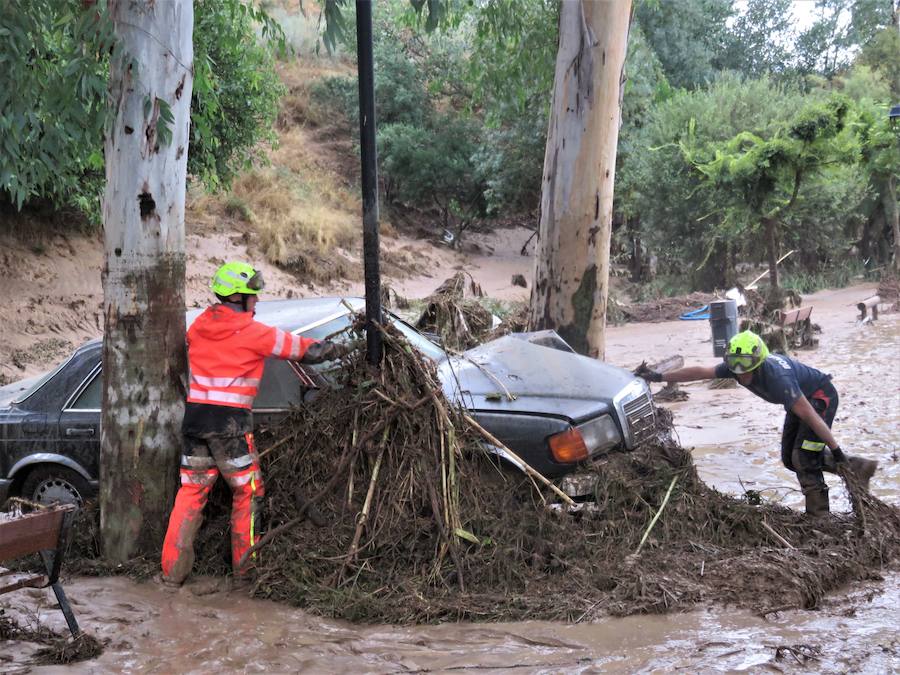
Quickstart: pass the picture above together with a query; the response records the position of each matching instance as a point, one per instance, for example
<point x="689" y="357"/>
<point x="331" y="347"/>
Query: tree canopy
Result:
<point x="58" y="51"/>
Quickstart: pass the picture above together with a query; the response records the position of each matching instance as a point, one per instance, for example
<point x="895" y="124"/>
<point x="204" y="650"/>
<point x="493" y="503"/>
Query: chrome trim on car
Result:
<point x="80" y="388"/>
<point x="316" y="324"/>
<point x="49" y="458"/>
<point x="634" y="408"/>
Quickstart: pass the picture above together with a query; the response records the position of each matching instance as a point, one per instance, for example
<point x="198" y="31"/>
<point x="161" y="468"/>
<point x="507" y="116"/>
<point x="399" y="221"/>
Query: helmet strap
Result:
<point x="236" y="306"/>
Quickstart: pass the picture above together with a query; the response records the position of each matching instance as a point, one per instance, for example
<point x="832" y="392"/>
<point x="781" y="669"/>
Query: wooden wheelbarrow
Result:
<point x="44" y="532"/>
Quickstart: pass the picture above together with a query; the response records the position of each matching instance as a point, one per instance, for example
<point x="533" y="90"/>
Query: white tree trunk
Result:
<point x="571" y="273"/>
<point x="143" y="279"/>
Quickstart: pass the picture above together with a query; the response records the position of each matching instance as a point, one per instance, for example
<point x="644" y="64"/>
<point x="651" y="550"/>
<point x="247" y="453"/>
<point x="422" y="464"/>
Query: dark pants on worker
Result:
<point x="215" y="441"/>
<point x="804" y="453"/>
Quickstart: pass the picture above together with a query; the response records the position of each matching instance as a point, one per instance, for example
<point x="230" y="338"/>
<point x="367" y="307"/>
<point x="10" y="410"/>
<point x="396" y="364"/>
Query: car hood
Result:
<point x="542" y="380"/>
<point x="9" y="392"/>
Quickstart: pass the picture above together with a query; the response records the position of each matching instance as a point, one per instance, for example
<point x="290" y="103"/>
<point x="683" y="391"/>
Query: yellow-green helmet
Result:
<point x="746" y="352"/>
<point x="236" y="277"/>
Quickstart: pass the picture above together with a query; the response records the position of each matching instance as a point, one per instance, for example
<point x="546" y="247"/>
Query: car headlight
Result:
<point x="578" y="443"/>
<point x="600" y="434"/>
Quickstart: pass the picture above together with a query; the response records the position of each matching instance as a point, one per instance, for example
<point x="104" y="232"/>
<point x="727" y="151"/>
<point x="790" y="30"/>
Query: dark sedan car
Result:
<point x="551" y="406"/>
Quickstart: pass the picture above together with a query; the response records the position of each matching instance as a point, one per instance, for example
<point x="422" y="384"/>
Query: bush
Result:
<point x="236" y="91"/>
<point x="433" y="167"/>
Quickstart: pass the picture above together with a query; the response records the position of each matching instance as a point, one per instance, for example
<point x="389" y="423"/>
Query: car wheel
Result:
<point x="55" y="485"/>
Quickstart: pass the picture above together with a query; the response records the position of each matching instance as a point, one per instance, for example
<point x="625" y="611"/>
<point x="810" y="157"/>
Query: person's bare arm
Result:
<point x="807" y="413"/>
<point x="690" y="373"/>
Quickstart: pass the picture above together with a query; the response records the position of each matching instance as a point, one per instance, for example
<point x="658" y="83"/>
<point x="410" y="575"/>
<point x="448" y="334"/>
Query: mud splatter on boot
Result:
<point x="817" y="502"/>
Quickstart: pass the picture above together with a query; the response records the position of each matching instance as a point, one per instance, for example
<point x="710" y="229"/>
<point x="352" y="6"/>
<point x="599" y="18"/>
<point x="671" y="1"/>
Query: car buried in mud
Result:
<point x="550" y="406"/>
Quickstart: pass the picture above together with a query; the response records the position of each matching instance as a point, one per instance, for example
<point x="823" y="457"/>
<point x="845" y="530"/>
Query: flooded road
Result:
<point x="152" y="631"/>
<point x="735" y="439"/>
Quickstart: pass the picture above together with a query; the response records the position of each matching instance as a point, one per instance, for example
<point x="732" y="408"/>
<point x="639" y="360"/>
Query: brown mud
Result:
<point x="734" y="443"/>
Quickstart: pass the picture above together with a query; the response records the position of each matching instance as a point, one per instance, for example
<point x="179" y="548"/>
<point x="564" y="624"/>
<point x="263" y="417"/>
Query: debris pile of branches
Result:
<point x="763" y="314"/>
<point x="664" y="309"/>
<point x="56" y="648"/>
<point x="454" y="314"/>
<point x="382" y="506"/>
<point x="416" y="523"/>
<point x="515" y="321"/>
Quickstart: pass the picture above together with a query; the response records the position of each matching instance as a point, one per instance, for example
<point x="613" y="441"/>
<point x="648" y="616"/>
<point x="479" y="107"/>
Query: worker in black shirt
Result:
<point x="807" y="445"/>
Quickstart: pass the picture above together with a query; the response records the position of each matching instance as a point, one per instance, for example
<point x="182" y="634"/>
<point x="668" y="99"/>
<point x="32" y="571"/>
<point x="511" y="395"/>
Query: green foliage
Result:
<point x="432" y="166"/>
<point x="687" y="37"/>
<point x="758" y="181"/>
<point x="660" y="190"/>
<point x="513" y="56"/>
<point x="58" y="51"/>
<point x="511" y="160"/>
<point x="336" y="24"/>
<point x="53" y="107"/>
<point x="236" y="90"/>
<point x="880" y="53"/>
<point x="757" y="40"/>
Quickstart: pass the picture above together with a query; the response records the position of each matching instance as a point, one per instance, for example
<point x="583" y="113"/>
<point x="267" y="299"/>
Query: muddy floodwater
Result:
<point x="735" y="439"/>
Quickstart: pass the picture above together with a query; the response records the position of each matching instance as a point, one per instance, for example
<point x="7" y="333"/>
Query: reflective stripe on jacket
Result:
<point x="227" y="352"/>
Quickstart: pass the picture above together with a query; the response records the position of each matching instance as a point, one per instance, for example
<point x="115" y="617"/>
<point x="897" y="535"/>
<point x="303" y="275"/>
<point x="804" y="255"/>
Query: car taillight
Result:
<point x="568" y="446"/>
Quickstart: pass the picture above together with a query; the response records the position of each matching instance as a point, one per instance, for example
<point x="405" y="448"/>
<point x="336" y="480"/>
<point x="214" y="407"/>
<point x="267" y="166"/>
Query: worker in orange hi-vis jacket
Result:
<point x="227" y="349"/>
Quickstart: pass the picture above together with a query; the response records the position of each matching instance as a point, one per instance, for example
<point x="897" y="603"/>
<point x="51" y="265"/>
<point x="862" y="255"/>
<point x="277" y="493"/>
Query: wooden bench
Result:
<point x="870" y="303"/>
<point x="797" y="326"/>
<point x="46" y="533"/>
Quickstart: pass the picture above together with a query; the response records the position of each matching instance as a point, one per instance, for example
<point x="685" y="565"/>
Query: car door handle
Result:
<point x="79" y="431"/>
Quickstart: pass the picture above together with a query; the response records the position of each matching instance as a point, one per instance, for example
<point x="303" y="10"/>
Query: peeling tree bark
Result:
<point x="143" y="278"/>
<point x="571" y="275"/>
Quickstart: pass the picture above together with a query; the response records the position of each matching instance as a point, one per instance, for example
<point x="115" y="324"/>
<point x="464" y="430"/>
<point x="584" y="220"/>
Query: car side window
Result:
<point x="323" y="331"/>
<point x="91" y="396"/>
<point x="280" y="388"/>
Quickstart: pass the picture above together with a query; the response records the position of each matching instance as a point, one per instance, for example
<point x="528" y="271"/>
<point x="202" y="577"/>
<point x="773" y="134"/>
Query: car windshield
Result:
<point x="425" y="346"/>
<point x="419" y="341"/>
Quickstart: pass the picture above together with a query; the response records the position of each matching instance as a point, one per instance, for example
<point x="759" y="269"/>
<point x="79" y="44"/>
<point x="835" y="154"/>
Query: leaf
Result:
<point x="465" y="534"/>
<point x="165" y="111"/>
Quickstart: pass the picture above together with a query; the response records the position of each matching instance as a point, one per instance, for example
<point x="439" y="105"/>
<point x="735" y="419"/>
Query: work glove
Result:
<point x="839" y="456"/>
<point x="329" y="351"/>
<point x="647" y="374"/>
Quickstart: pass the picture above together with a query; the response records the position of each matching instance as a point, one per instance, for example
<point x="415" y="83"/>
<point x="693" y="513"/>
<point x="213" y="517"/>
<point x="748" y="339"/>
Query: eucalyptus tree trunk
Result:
<point x="143" y="279"/>
<point x="892" y="213"/>
<point x="571" y="275"/>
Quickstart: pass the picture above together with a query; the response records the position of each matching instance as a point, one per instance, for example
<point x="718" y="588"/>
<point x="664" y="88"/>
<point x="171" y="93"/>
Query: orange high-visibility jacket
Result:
<point x="227" y="352"/>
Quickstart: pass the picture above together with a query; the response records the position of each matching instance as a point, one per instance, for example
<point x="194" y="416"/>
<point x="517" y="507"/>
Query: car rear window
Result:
<point x="46" y="377"/>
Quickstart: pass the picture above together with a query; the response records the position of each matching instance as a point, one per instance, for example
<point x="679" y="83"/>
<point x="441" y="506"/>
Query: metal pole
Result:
<point x="368" y="159"/>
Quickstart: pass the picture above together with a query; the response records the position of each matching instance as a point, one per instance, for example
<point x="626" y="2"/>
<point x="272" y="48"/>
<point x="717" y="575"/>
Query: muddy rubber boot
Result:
<point x="817" y="502"/>
<point x="863" y="469"/>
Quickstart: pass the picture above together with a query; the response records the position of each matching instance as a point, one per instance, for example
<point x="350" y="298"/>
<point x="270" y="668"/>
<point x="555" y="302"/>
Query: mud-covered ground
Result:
<point x="736" y="447"/>
<point x="735" y="441"/>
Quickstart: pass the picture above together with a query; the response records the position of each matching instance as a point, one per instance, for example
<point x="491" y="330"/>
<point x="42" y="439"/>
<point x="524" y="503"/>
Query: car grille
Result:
<point x="641" y="420"/>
